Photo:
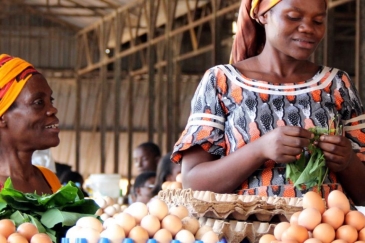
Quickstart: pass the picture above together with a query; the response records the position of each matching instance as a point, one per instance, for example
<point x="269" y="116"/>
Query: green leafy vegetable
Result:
<point x="53" y="214"/>
<point x="310" y="169"/>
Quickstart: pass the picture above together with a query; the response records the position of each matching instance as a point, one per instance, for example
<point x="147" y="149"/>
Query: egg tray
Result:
<point x="231" y="206"/>
<point x="235" y="231"/>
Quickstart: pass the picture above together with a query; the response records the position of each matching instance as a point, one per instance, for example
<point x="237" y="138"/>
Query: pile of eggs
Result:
<point x="24" y="233"/>
<point x="141" y="222"/>
<point x="173" y="184"/>
<point x="317" y="223"/>
<point x="108" y="207"/>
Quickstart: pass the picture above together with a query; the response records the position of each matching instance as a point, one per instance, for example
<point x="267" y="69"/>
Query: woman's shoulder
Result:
<point x="328" y="69"/>
<point x="228" y="71"/>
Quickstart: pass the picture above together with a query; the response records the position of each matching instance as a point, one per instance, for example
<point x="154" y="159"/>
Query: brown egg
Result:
<point x="355" y="219"/>
<point x="185" y="236"/>
<point x="287" y="241"/>
<point x="138" y="234"/>
<point x="295" y="232"/>
<point x="201" y="231"/>
<point x="338" y="199"/>
<point x="267" y="238"/>
<point x="108" y="222"/>
<point x="3" y="239"/>
<point x="138" y="210"/>
<point x="191" y="224"/>
<point x="17" y="238"/>
<point x="41" y="238"/>
<point x="175" y="185"/>
<point x="7" y="227"/>
<point x="27" y="230"/>
<point x="114" y="233"/>
<point x="179" y="178"/>
<point x="109" y="200"/>
<point x="309" y="218"/>
<point x="294" y="217"/>
<point x="339" y="241"/>
<point x="151" y="224"/>
<point x="361" y="235"/>
<point x="280" y="228"/>
<point x="166" y="185"/>
<point x="347" y="233"/>
<point x="324" y="232"/>
<point x="157" y="208"/>
<point x="126" y="220"/>
<point x="313" y="200"/>
<point x="90" y="222"/>
<point x="334" y="217"/>
<point x="90" y="234"/>
<point x="172" y="223"/>
<point x="181" y="211"/>
<point x="210" y="237"/>
<point x="312" y="240"/>
<point x="163" y="236"/>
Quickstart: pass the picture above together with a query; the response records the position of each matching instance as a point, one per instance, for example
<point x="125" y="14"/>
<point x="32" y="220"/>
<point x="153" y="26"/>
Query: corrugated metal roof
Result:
<point x="76" y="14"/>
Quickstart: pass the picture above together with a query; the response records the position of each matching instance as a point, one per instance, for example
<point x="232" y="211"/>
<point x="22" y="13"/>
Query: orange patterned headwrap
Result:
<point x="14" y="73"/>
<point x="250" y="36"/>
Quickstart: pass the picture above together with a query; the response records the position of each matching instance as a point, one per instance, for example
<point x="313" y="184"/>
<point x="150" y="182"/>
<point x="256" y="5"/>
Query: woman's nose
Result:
<point x="52" y="111"/>
<point x="307" y="27"/>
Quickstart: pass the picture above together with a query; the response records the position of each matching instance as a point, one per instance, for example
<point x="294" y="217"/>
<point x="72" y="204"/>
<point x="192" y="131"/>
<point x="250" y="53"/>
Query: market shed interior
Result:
<point x="123" y="71"/>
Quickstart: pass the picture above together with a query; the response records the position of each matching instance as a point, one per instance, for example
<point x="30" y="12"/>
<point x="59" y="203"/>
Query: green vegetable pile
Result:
<point x="53" y="214"/>
<point x="305" y="173"/>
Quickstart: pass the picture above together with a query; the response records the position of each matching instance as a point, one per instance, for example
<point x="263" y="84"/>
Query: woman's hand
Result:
<point x="337" y="151"/>
<point x="284" y="144"/>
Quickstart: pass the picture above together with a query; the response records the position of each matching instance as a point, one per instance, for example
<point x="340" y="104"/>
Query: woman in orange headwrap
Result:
<point x="28" y="122"/>
<point x="251" y="118"/>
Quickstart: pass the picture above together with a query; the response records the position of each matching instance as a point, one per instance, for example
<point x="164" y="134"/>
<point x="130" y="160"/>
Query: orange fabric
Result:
<point x="51" y="178"/>
<point x="14" y="73"/>
<point x="250" y="36"/>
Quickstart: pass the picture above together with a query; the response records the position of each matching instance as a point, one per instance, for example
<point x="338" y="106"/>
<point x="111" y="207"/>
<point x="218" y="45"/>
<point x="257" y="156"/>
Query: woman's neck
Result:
<point x="277" y="70"/>
<point x="16" y="164"/>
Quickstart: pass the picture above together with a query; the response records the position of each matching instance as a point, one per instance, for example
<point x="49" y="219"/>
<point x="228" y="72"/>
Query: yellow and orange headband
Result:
<point x="259" y="7"/>
<point x="14" y="73"/>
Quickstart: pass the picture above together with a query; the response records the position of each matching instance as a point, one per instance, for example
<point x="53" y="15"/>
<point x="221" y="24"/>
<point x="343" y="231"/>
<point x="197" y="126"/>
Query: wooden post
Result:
<point x="215" y="36"/>
<point x="78" y="107"/>
<point x="104" y="97"/>
<point x="117" y="82"/>
<point x="169" y="81"/>
<point x="151" y="73"/>
<point x="161" y="101"/>
<point x="130" y="120"/>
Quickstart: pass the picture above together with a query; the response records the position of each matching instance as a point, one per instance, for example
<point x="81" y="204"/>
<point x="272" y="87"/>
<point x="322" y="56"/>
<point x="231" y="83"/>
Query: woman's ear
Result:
<point x="263" y="19"/>
<point x="2" y="121"/>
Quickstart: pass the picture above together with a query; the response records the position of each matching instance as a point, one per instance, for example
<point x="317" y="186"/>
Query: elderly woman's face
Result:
<point x="32" y="121"/>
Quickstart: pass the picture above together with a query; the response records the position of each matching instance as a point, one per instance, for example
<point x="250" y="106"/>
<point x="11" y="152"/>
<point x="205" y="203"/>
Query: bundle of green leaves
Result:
<point x="53" y="214"/>
<point x="310" y="169"/>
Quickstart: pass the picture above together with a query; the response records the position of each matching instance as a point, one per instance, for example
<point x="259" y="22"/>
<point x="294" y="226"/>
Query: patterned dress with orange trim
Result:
<point x="229" y="111"/>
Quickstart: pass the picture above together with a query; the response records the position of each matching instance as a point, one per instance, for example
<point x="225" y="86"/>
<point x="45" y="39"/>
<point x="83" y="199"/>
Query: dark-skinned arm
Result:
<point x="203" y="171"/>
<point x="352" y="180"/>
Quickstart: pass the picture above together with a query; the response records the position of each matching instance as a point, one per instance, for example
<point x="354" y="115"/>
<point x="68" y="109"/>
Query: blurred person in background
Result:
<point x="76" y="178"/>
<point x="166" y="171"/>
<point x="143" y="187"/>
<point x="28" y="122"/>
<point x="146" y="157"/>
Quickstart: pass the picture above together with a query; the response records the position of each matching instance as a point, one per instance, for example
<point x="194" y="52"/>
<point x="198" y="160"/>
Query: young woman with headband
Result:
<point x="251" y="117"/>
